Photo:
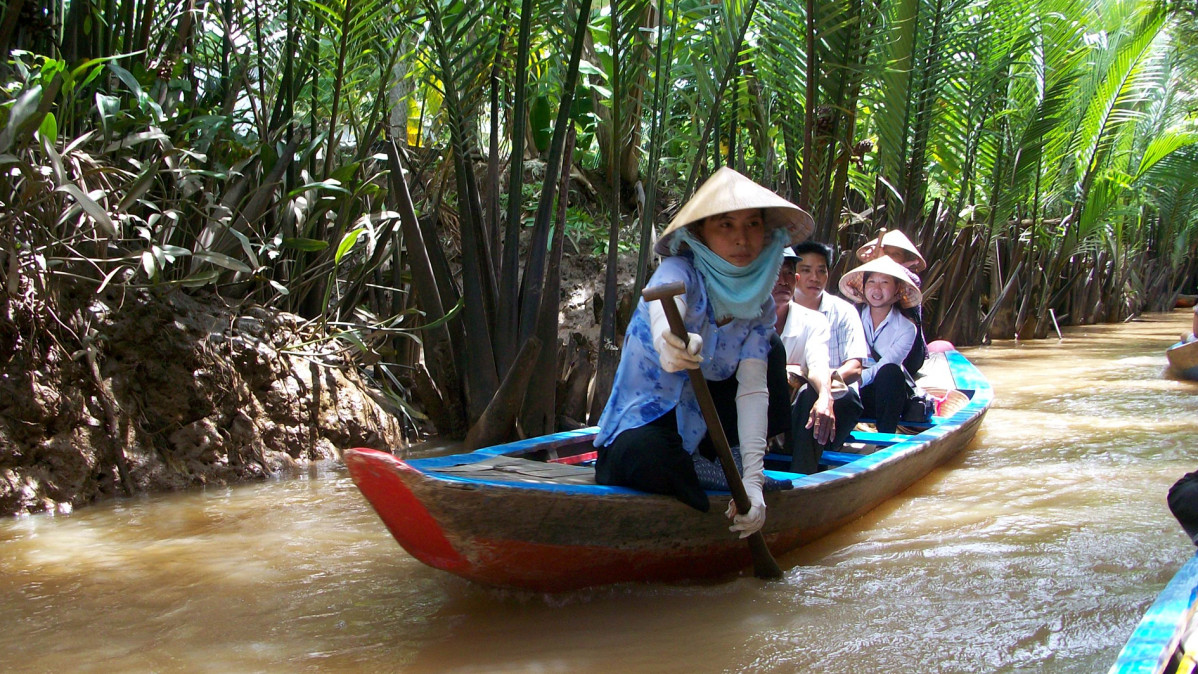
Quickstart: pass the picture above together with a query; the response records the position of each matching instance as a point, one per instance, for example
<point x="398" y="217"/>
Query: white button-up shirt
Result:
<point x="805" y="336"/>
<point x="891" y="340"/>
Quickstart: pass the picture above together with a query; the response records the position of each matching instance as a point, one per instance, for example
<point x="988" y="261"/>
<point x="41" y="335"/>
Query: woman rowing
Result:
<point x="725" y="245"/>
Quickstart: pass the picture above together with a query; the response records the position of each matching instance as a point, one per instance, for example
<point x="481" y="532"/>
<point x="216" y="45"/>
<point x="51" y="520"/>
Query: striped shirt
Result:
<point x="846" y="339"/>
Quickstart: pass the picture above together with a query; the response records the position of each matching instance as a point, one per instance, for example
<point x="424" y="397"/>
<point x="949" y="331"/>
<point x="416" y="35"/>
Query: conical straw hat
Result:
<point x="852" y="284"/>
<point x="726" y="190"/>
<point x="876" y="247"/>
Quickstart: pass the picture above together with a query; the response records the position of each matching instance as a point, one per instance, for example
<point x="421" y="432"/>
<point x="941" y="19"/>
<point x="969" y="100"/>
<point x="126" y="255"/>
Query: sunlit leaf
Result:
<point x="49" y="128"/>
<point x="24" y="108"/>
<point x="149" y="264"/>
<point x="352" y="337"/>
<point x="174" y="252"/>
<point x="347" y="242"/>
<point x="222" y="260"/>
<point x="246" y="247"/>
<point x="91" y="207"/>
<point x="309" y="245"/>
<point x="199" y="279"/>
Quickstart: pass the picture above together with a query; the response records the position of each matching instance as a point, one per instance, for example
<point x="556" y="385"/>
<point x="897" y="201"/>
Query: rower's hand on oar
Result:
<point x="676" y="356"/>
<point x="751" y="522"/>
<point x="673" y="354"/>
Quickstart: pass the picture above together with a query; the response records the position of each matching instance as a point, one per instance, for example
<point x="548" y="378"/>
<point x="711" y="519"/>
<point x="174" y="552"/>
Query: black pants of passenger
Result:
<point x="1183" y="502"/>
<point x="723" y="394"/>
<point x="651" y="458"/>
<point x="805" y="451"/>
<point x="885" y="397"/>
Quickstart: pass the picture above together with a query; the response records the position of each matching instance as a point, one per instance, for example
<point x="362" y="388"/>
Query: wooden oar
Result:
<point x="764" y="565"/>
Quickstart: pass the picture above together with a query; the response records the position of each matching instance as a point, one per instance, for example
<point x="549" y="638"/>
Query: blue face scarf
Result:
<point x="736" y="292"/>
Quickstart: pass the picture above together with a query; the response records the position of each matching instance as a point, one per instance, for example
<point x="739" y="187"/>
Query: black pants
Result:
<point x="885" y="397"/>
<point x="723" y="394"/>
<point x="805" y="451"/>
<point x="651" y="458"/>
<point x="1183" y="502"/>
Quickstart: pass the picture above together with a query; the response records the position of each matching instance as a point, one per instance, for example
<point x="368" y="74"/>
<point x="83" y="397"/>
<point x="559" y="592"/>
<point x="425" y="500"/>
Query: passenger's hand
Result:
<point x="822" y="420"/>
<point x="752" y="521"/>
<point x="675" y="356"/>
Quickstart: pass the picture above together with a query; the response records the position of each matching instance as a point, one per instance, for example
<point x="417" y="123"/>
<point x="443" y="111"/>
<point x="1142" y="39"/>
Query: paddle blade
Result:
<point x="764" y="565"/>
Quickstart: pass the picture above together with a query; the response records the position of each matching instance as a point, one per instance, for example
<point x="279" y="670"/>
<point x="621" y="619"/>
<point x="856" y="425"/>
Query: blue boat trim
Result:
<point x="965" y="375"/>
<point x="1161" y="629"/>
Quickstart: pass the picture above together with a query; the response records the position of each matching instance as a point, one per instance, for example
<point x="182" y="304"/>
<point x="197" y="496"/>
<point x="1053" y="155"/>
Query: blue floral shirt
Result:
<point x="643" y="392"/>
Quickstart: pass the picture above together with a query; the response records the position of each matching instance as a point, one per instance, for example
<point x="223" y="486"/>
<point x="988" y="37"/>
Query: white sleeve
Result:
<point x="658" y="323"/>
<point x="855" y="346"/>
<point x="752" y="401"/>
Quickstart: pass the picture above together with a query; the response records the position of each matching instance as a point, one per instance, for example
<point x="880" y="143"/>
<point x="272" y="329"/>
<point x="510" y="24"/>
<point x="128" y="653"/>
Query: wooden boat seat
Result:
<point x="878" y="439"/>
<point x="859" y="443"/>
<point x="514" y="469"/>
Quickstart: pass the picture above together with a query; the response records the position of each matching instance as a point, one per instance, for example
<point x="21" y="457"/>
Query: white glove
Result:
<point x="673" y="355"/>
<point x="751" y="522"/>
<point x="752" y="402"/>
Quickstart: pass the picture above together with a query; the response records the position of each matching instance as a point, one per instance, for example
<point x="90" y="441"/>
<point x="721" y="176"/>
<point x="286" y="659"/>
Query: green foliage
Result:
<point x="235" y="146"/>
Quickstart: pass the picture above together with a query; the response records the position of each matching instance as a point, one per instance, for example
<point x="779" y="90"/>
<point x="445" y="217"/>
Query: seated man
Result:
<point x="846" y="353"/>
<point x="804" y="335"/>
<point x="723" y="392"/>
<point x="881" y="286"/>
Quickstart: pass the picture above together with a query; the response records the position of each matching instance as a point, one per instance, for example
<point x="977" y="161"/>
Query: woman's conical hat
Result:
<point x="726" y="190"/>
<point x="852" y="284"/>
<point x="876" y="247"/>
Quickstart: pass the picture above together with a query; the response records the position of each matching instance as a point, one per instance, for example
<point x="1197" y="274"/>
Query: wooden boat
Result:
<point x="1183" y="359"/>
<point x="1158" y="643"/>
<point x="529" y="515"/>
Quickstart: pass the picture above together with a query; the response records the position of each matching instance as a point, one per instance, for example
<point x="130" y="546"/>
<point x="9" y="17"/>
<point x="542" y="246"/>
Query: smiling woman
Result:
<point x="881" y="286"/>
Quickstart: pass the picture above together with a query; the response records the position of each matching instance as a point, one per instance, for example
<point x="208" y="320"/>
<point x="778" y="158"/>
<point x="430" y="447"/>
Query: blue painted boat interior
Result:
<point x="968" y="380"/>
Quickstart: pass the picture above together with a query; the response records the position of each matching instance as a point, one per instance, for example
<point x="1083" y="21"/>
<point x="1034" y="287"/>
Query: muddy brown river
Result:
<point x="1036" y="550"/>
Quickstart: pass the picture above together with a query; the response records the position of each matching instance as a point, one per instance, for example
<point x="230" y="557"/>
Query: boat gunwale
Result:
<point x="980" y="401"/>
<point x="1183" y="359"/>
<point x="1160" y="630"/>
